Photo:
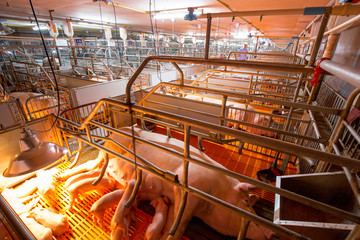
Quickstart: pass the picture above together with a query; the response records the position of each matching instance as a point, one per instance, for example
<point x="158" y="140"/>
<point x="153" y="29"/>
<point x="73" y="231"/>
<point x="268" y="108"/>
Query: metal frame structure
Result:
<point x="81" y="130"/>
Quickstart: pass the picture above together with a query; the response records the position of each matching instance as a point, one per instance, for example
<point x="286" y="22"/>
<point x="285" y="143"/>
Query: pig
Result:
<point x="152" y="188"/>
<point x="244" y="116"/>
<point x="107" y="201"/>
<point x="85" y="185"/>
<point x="58" y="223"/>
<point x="39" y="231"/>
<point x="40" y="107"/>
<point x="55" y="64"/>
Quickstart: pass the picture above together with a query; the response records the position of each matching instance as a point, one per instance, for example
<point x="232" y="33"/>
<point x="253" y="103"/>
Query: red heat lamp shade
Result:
<point x="34" y="155"/>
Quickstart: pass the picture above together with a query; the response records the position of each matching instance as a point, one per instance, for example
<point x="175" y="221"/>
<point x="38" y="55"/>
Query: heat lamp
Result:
<point x="34" y="155"/>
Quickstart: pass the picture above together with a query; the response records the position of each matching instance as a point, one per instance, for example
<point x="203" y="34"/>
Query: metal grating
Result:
<point x="81" y="223"/>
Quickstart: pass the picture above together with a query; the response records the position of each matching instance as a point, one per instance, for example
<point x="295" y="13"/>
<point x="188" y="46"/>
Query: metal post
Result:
<point x="58" y="53"/>
<point x="319" y="37"/>
<point x="256" y="45"/>
<point x="208" y="33"/>
<point x="329" y="52"/>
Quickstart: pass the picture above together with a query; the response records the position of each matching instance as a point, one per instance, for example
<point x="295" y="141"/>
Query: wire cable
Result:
<point x="51" y="67"/>
<point x="117" y="42"/>
<point x="153" y="33"/>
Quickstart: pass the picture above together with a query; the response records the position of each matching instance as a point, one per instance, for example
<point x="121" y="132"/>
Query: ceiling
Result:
<point x="135" y="15"/>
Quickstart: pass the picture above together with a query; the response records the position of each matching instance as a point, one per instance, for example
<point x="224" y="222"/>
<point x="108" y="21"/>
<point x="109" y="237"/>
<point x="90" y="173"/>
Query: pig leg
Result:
<point x="107" y="201"/>
<point x="169" y="221"/>
<point x="86" y="185"/>
<point x="121" y="220"/>
<point x="89" y="165"/>
<point x="154" y="230"/>
<point x="81" y="176"/>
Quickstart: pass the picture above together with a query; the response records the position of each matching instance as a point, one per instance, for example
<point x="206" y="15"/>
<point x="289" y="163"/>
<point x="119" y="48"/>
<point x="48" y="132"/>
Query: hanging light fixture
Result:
<point x="34" y="155"/>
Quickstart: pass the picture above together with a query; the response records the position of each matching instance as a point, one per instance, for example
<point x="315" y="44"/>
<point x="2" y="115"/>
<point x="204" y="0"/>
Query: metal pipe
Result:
<point x="350" y="177"/>
<point x="269" y="187"/>
<point x="136" y="188"/>
<point x="210" y="198"/>
<point x="243" y="229"/>
<point x="319" y="37"/>
<point x="208" y="33"/>
<point x="15" y="222"/>
<point x="343" y="71"/>
<point x="339" y="126"/>
<point x="181" y="73"/>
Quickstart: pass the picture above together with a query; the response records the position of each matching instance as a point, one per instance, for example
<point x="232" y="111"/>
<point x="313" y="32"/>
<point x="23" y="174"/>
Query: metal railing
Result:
<point x="81" y="131"/>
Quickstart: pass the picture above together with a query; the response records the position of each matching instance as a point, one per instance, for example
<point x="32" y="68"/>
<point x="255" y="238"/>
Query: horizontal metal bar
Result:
<point x="341" y="10"/>
<point x="261" y="99"/>
<point x="288" y="194"/>
<point x="201" y="194"/>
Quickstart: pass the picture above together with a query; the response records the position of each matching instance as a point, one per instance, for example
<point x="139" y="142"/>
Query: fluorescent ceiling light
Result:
<point x="42" y="27"/>
<point x="173" y="15"/>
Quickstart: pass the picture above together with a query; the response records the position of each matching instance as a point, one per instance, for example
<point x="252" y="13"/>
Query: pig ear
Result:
<point x="246" y="187"/>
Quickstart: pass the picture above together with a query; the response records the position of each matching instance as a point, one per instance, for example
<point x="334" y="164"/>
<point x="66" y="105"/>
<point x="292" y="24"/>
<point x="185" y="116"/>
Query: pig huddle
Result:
<point x="164" y="197"/>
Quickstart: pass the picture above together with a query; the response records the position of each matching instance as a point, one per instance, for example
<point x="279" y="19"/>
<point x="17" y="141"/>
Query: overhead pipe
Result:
<point x="338" y="29"/>
<point x="341" y="10"/>
<point x="343" y="71"/>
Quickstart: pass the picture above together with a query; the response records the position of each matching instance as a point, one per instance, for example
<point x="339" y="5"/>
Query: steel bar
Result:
<point x="13" y="219"/>
<point x="319" y="36"/>
<point x="350" y="177"/>
<point x="345" y="72"/>
<point x="261" y="99"/>
<point x="341" y="10"/>
<point x="180" y="72"/>
<point x="282" y="192"/>
<point x="208" y="34"/>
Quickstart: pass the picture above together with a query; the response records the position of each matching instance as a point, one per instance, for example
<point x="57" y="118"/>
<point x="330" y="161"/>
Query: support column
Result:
<point x="208" y="33"/>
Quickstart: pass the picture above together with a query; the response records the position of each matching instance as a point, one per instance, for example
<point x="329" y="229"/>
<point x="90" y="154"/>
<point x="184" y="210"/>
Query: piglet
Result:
<point x="58" y="223"/>
<point x="39" y="231"/>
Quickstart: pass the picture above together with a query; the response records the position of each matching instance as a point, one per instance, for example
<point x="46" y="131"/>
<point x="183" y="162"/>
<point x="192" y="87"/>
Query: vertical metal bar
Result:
<point x="223" y="110"/>
<point x="180" y="73"/>
<point x="354" y="234"/>
<point x="257" y="42"/>
<point x="185" y="180"/>
<point x="136" y="188"/>
<point x="208" y="33"/>
<point x="319" y="37"/>
<point x="350" y="177"/>
<point x="243" y="229"/>
<point x="301" y="77"/>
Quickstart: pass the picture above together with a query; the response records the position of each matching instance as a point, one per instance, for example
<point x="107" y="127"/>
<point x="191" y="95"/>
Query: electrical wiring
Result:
<point x="51" y="67"/>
